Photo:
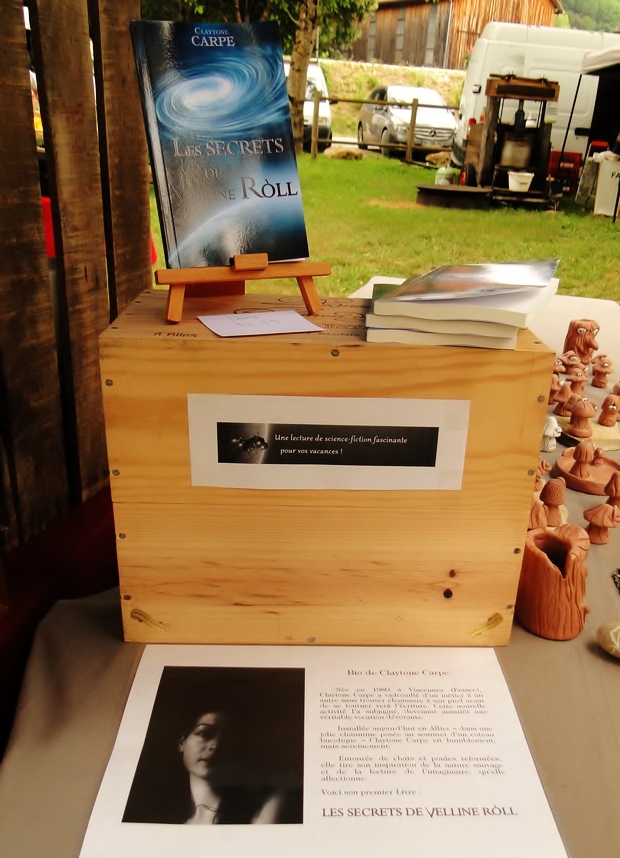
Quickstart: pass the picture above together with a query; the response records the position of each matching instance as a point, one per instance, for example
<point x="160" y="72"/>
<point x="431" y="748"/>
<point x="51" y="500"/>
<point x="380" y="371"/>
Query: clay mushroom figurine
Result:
<point x="583" y="456"/>
<point x="610" y="411"/>
<point x="612" y="489"/>
<point x="554" y="387"/>
<point x="601" y="368"/>
<point x="562" y="397"/>
<point x="600" y="518"/>
<point x="580" y="414"/>
<point x="570" y="359"/>
<point x="577" y="378"/>
<point x="553" y="495"/>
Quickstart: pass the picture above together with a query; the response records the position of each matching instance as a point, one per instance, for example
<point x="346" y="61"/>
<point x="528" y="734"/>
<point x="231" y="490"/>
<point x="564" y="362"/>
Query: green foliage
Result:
<point x="338" y="28"/>
<point x="593" y="14"/>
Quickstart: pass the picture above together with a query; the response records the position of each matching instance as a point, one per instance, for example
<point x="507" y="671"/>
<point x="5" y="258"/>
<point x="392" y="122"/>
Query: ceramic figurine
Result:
<point x="571" y="359"/>
<point x="586" y="468"/>
<point x="612" y="489"/>
<point x="538" y="515"/>
<point x="556" y="384"/>
<point x="580" y="414"/>
<point x="577" y="378"/>
<point x="581" y="338"/>
<point x="562" y="398"/>
<point x="610" y="411"/>
<point x="552" y="584"/>
<point x="583" y="455"/>
<point x="616" y="389"/>
<point x="553" y="495"/>
<point x="601" y="368"/>
<point x="543" y="468"/>
<point x="600" y="518"/>
<point x="551" y="432"/>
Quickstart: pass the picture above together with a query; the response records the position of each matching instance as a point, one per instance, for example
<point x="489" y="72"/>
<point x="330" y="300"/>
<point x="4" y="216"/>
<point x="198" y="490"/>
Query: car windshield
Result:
<point x="406" y="94"/>
<point x="311" y="88"/>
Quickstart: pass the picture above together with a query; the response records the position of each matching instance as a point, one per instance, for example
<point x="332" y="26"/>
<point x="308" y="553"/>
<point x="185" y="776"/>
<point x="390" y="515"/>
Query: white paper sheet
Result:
<point x="258" y="324"/>
<point x="404" y="751"/>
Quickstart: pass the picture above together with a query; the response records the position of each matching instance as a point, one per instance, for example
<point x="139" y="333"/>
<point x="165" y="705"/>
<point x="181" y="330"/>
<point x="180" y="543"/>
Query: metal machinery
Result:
<point x="513" y="144"/>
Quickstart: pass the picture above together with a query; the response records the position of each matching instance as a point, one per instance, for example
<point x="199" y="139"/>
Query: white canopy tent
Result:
<point x="605" y="64"/>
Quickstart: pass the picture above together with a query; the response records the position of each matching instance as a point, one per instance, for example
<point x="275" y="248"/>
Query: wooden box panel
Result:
<point x="202" y="564"/>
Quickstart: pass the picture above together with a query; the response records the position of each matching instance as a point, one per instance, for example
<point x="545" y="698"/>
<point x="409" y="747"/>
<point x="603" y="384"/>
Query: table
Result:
<point x="567" y="695"/>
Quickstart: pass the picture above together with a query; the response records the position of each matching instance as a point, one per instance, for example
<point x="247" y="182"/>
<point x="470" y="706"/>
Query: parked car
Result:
<point x="315" y="82"/>
<point x="388" y="122"/>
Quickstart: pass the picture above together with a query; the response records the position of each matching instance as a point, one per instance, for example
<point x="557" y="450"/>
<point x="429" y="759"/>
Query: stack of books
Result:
<point x="481" y="305"/>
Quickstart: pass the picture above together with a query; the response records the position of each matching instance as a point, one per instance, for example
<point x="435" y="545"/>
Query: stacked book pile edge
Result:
<point x="481" y="305"/>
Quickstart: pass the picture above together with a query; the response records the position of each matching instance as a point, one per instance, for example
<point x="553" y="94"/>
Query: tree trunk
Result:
<point x="307" y="25"/>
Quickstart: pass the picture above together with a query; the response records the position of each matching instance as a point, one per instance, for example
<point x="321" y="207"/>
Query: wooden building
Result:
<point x="440" y="34"/>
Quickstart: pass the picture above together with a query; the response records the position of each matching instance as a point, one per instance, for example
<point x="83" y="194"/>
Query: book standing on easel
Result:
<point x="220" y="140"/>
<point x="480" y="305"/>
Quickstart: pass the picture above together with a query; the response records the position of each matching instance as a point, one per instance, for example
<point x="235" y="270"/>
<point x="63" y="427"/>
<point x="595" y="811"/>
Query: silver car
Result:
<point x="388" y="121"/>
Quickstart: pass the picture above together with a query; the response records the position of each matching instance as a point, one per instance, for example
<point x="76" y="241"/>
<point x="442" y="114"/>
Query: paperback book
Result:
<point x="430" y="338"/>
<point x="486" y="278"/>
<point x="441" y="326"/>
<point x="220" y="138"/>
<point x="517" y="308"/>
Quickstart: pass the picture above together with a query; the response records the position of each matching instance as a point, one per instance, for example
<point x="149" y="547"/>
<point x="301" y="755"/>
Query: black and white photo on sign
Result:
<point x="223" y="746"/>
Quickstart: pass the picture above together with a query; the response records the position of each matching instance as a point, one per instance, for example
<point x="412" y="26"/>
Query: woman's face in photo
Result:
<point x="200" y="744"/>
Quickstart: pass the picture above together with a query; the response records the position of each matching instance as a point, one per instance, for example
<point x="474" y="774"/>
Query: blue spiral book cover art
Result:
<point x="221" y="141"/>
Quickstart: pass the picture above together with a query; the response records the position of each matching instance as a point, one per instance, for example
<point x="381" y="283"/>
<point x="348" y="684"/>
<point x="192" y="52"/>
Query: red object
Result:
<point x="48" y="228"/>
<point x="566" y="169"/>
<point x="50" y="247"/>
<point x="598" y="146"/>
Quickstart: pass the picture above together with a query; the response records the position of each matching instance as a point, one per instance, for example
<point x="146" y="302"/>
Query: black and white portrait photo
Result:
<point x="224" y="746"/>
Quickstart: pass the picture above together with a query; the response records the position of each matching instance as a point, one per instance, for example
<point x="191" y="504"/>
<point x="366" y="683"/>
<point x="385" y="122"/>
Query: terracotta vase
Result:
<point x="552" y="583"/>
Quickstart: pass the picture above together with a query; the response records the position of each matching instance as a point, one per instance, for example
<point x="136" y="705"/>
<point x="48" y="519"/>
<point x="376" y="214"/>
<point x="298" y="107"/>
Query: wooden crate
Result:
<point x="218" y="564"/>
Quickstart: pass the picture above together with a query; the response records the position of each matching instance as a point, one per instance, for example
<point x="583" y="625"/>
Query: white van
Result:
<point x="315" y="82"/>
<point x="537" y="52"/>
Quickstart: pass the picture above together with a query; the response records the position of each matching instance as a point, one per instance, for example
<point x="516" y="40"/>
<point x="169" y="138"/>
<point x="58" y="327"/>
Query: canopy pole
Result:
<point x="568" y="124"/>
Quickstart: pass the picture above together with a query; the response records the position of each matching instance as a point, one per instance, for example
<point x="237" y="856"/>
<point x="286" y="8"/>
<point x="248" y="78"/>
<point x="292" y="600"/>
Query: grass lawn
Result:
<point x="362" y="218"/>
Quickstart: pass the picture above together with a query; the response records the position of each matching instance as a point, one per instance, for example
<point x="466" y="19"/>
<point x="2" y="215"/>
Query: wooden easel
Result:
<point x="230" y="280"/>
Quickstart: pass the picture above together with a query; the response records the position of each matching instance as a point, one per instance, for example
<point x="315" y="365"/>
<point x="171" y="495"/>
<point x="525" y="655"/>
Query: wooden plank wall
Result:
<point x="53" y="441"/>
<point x="463" y="20"/>
<point x="53" y="455"/>
<point x="56" y="525"/>
<point x="470" y="17"/>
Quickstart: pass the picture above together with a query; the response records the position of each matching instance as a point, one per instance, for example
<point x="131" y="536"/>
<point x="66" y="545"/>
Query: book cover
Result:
<point x="220" y="138"/>
<point x="510" y="308"/>
<point x="457" y="281"/>
<point x="342" y="752"/>
<point x="429" y="338"/>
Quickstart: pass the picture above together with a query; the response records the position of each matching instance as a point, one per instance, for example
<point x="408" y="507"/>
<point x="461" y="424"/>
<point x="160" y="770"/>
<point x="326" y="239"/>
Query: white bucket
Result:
<point x="519" y="181"/>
